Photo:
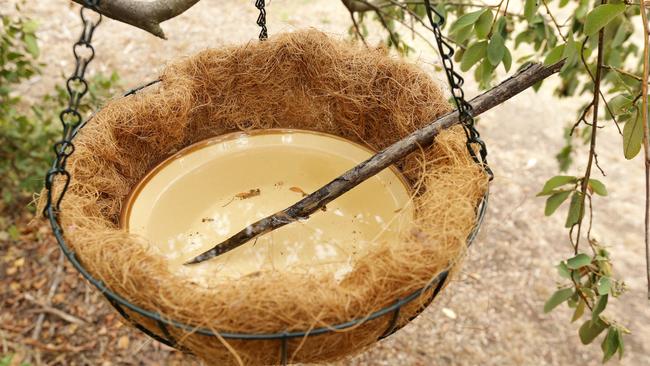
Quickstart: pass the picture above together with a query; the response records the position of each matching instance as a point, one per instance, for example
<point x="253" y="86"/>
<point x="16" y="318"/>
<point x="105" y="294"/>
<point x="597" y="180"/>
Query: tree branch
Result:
<point x="646" y="136"/>
<point x="423" y="137"/>
<point x="146" y="15"/>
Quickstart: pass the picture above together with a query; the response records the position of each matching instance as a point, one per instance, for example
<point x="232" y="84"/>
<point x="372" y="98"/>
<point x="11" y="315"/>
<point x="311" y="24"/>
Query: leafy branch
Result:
<point x="594" y="40"/>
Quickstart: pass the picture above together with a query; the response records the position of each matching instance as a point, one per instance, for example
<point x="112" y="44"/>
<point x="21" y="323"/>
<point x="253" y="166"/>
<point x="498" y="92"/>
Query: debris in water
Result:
<point x="298" y="190"/>
<point x="251" y="193"/>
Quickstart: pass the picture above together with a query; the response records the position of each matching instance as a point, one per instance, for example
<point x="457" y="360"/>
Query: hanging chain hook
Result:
<point x="456" y="81"/>
<point x="261" y="19"/>
<point x="70" y="117"/>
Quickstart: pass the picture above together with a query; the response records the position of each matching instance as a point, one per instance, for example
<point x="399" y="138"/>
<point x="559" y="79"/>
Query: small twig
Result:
<point x="54" y="311"/>
<point x="624" y="72"/>
<point x="594" y="127"/>
<point x="582" y="118"/>
<point x="646" y="137"/>
<point x="602" y="171"/>
<point x="56" y="280"/>
<point x="557" y="26"/>
<point x="382" y="20"/>
<point x="55" y="348"/>
<point x="494" y="20"/>
<point x="600" y="92"/>
<point x="524" y="79"/>
<point x="357" y="29"/>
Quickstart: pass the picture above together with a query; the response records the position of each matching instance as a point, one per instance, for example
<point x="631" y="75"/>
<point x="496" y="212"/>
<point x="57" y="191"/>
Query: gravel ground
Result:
<point x="492" y="315"/>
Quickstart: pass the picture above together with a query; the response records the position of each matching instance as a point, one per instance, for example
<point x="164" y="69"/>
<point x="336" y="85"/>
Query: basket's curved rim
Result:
<point x="117" y="300"/>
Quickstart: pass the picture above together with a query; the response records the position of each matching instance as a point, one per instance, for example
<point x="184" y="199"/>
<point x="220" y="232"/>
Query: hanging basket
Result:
<point x="303" y="80"/>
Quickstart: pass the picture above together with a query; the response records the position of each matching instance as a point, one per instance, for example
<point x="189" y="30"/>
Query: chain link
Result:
<point x="261" y="19"/>
<point x="456" y="81"/>
<point x="70" y="118"/>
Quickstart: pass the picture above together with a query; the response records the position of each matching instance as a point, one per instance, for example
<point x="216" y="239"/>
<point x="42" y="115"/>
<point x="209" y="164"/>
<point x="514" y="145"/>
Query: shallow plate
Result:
<point x="210" y="190"/>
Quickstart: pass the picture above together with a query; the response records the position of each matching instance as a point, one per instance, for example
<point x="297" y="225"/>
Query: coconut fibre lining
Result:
<point x="303" y="80"/>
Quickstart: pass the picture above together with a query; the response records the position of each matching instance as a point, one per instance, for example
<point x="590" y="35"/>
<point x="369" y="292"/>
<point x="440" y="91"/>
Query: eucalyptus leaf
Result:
<point x="554" y="201"/>
<point x="473" y="54"/>
<point x="620" y="103"/>
<point x="555" y="55"/>
<point x="576" y="212"/>
<point x="601" y="304"/>
<point x="563" y="270"/>
<point x="632" y="136"/>
<point x="496" y="49"/>
<point x="557" y="298"/>
<point x="530" y="9"/>
<point x="579" y="312"/>
<point x="621" y="344"/>
<point x="31" y="45"/>
<point x="483" y="24"/>
<point x="604" y="285"/>
<point x="590" y="330"/>
<point x="507" y="60"/>
<point x="610" y="344"/>
<point x="601" y="16"/>
<point x="466" y="20"/>
<point x="556" y="182"/>
<point x="598" y="187"/>
<point x="578" y="261"/>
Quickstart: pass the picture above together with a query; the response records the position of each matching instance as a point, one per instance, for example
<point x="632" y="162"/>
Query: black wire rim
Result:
<point x="120" y="303"/>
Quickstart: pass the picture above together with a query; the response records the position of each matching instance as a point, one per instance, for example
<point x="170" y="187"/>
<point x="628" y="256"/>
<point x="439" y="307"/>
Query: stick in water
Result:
<point x="522" y="80"/>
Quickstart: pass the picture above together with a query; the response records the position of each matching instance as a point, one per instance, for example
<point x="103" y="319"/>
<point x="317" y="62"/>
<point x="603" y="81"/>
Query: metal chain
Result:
<point x="261" y="19"/>
<point x="71" y="119"/>
<point x="456" y="81"/>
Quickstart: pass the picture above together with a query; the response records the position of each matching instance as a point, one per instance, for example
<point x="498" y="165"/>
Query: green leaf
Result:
<point x="530" y="9"/>
<point x="555" y="182"/>
<point x="610" y="344"/>
<point x="30" y="26"/>
<point x="554" y="201"/>
<point x="580" y="310"/>
<point x="598" y="187"/>
<point x="31" y="45"/>
<point x="620" y="103"/>
<point x="621" y="345"/>
<point x="13" y="232"/>
<point x="632" y="136"/>
<point x="578" y="261"/>
<point x="555" y="55"/>
<point x="590" y="330"/>
<point x="463" y="34"/>
<point x="575" y="210"/>
<point x="571" y="53"/>
<point x="604" y="285"/>
<point x="6" y="360"/>
<point x="599" y="307"/>
<point x="563" y="270"/>
<point x="473" y="54"/>
<point x="557" y="298"/>
<point x="466" y="20"/>
<point x="601" y="16"/>
<point x="507" y="60"/>
<point x="483" y="24"/>
<point x="496" y="49"/>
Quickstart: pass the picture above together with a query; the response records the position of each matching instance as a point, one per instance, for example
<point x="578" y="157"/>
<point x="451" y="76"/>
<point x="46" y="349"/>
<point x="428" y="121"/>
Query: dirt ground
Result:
<point x="492" y="313"/>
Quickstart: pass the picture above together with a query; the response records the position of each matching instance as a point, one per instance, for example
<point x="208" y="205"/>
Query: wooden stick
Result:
<point x="423" y="137"/>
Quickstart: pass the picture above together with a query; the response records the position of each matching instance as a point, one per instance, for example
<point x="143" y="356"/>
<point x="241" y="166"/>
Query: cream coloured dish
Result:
<point x="210" y="190"/>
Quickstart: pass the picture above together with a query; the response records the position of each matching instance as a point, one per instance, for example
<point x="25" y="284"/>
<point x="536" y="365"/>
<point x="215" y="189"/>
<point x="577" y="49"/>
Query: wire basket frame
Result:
<point x="120" y="303"/>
